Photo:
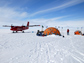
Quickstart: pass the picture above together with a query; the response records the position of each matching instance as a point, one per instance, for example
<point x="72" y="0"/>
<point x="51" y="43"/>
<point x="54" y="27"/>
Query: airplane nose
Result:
<point x="11" y="29"/>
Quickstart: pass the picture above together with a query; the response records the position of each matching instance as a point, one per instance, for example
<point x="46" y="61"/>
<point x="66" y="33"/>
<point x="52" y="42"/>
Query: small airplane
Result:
<point x="20" y="28"/>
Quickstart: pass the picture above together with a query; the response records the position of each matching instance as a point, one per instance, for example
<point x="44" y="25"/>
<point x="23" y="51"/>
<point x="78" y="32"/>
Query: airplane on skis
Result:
<point x="20" y="28"/>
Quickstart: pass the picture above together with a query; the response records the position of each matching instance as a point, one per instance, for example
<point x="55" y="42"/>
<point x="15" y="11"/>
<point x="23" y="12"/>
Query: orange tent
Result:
<point x="51" y="30"/>
<point x="77" y="33"/>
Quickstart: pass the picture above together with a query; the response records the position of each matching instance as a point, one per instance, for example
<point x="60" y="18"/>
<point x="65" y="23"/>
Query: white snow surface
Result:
<point x="29" y="48"/>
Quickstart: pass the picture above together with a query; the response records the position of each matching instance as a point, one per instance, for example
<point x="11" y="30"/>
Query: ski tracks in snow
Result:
<point x="56" y="51"/>
<point x="29" y="48"/>
<point x="74" y="52"/>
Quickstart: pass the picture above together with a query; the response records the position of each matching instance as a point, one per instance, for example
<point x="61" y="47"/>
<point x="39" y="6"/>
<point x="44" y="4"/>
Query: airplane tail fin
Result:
<point x="28" y="24"/>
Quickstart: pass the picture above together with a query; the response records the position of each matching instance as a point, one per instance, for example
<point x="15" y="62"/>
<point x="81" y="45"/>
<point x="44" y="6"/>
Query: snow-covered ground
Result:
<point x="29" y="48"/>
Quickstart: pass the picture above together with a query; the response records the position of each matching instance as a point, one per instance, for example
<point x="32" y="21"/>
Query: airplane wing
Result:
<point x="6" y="26"/>
<point x="33" y="25"/>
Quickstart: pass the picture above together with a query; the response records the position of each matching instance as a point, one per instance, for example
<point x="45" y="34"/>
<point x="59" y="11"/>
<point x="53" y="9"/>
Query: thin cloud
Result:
<point x="11" y="16"/>
<point x="62" y="6"/>
<point x="11" y="13"/>
<point x="56" y="22"/>
<point x="41" y="21"/>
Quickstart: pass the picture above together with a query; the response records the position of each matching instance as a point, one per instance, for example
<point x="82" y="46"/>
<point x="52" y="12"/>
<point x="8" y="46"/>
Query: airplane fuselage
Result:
<point x="18" y="28"/>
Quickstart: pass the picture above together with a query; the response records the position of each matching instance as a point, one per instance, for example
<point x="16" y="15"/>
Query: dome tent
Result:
<point x="51" y="30"/>
<point x="78" y="32"/>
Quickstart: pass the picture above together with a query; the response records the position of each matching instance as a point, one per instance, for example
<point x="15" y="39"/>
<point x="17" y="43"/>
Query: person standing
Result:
<point x="67" y="31"/>
<point x="42" y="27"/>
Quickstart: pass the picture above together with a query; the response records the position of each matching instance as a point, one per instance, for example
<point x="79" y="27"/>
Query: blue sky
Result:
<point x="44" y="12"/>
